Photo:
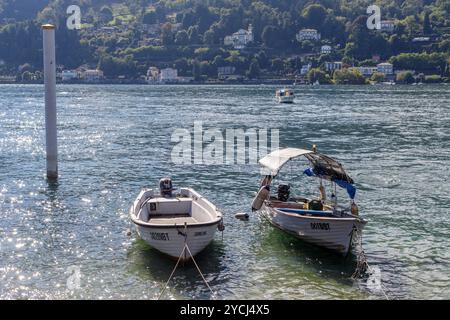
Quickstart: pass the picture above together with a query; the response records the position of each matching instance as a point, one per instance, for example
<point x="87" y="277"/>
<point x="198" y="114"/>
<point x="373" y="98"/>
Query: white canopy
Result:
<point x="277" y="159"/>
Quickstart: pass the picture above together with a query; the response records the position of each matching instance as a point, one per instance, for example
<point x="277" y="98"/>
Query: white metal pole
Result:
<point x="50" y="100"/>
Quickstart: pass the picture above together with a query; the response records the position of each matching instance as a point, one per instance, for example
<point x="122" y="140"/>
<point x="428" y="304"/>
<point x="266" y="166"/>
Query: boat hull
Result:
<point x="171" y="241"/>
<point x="287" y="100"/>
<point x="331" y="233"/>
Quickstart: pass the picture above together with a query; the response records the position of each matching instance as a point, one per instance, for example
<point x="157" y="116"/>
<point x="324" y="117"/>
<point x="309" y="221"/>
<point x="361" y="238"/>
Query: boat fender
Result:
<point x="262" y="195"/>
<point x="242" y="216"/>
<point x="355" y="209"/>
<point x="323" y="194"/>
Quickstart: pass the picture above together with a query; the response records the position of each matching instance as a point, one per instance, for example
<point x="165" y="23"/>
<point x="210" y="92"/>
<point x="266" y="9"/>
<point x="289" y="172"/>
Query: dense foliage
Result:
<point x="196" y="46"/>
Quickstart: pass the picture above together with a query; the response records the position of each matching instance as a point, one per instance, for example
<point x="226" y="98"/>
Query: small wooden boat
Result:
<point x="314" y="220"/>
<point x="285" y="96"/>
<point x="168" y="221"/>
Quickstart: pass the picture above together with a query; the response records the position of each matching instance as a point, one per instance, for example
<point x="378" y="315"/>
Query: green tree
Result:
<point x="378" y="77"/>
<point x="166" y="34"/>
<point x="405" y="77"/>
<point x="426" y="23"/>
<point x="270" y="36"/>
<point x="182" y="38"/>
<point x="194" y="37"/>
<point x="196" y="70"/>
<point x="150" y="18"/>
<point x="208" y="37"/>
<point x="254" y="70"/>
<point x="314" y="15"/>
<point x="315" y="74"/>
<point x="106" y="14"/>
<point x="348" y="76"/>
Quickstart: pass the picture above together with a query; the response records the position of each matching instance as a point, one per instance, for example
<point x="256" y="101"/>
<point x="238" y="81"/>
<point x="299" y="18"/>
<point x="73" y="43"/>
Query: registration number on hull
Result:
<point x="320" y="226"/>
<point x="159" y="236"/>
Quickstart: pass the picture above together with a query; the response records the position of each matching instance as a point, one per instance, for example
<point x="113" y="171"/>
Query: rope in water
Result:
<point x="362" y="266"/>
<point x="173" y="272"/>
<point x="186" y="247"/>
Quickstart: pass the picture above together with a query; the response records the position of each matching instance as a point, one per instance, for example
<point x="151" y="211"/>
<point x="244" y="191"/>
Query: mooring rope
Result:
<point x="199" y="271"/>
<point x="362" y="266"/>
<point x="186" y="247"/>
<point x="173" y="272"/>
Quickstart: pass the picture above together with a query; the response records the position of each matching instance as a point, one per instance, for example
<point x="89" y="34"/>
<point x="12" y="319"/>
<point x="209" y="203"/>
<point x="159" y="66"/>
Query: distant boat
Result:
<point x="315" y="220"/>
<point x="285" y="96"/>
<point x="168" y="221"/>
<point x="316" y="83"/>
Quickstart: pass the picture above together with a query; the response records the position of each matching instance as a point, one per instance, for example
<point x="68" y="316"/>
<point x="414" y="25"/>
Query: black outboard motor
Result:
<point x="166" y="187"/>
<point x="284" y="192"/>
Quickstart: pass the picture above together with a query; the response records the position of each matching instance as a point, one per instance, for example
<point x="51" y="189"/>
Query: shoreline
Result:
<point x="261" y="83"/>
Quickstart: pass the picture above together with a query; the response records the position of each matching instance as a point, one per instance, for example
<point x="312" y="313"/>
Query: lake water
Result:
<point x="113" y="140"/>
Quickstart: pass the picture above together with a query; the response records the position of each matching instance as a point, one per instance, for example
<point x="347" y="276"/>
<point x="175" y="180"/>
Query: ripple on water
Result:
<point x="113" y="140"/>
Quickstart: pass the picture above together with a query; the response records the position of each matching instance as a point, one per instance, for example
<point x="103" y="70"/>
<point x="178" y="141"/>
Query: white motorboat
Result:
<point x="314" y="220"/>
<point x="285" y="96"/>
<point x="168" y="222"/>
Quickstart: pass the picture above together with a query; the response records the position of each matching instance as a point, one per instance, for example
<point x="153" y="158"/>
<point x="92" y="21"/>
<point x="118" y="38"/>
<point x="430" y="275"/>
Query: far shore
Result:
<point x="238" y="83"/>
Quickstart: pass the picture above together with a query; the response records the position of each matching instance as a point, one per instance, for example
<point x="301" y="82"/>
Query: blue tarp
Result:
<point x="351" y="190"/>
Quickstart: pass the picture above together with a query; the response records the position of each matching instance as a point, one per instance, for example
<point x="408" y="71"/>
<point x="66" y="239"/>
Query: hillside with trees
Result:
<point x="125" y="38"/>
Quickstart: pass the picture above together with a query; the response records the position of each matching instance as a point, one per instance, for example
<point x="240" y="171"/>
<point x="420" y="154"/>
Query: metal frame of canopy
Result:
<point x="324" y="167"/>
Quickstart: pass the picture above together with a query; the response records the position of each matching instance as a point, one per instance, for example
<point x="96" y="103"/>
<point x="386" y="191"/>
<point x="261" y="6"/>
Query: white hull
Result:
<point x="168" y="223"/>
<point x="328" y="232"/>
<point x="286" y="99"/>
<point x="170" y="242"/>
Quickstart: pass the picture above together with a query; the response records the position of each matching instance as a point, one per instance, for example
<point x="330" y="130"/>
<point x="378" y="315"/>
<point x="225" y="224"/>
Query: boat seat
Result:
<point x="172" y="220"/>
<point x="288" y="205"/>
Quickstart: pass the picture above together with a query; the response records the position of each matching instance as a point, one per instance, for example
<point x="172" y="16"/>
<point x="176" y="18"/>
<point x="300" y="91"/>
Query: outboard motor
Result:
<point x="284" y="192"/>
<point x="166" y="187"/>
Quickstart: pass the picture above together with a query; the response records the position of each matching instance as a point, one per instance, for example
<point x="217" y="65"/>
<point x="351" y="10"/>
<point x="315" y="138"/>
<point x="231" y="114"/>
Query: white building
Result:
<point x="326" y="49"/>
<point x="387" y="26"/>
<point x="305" y="69"/>
<point x="68" y="75"/>
<point x="168" y="75"/>
<point x="421" y="39"/>
<point x="225" y="72"/>
<point x="386" y="68"/>
<point x="92" y="75"/>
<point x="308" y="34"/>
<point x="240" y="39"/>
<point x="367" y="71"/>
<point x="331" y="66"/>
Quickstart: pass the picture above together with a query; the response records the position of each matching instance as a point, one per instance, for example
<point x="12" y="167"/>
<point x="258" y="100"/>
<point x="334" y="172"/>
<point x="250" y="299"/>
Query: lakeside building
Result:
<point x="108" y="30"/>
<point x="367" y="71"/>
<point x="224" y="73"/>
<point x="240" y="39"/>
<point x="185" y="79"/>
<point x="326" y="49"/>
<point x="421" y="39"/>
<point x="305" y="69"/>
<point x="387" y="26"/>
<point x="386" y="68"/>
<point x="150" y="29"/>
<point x="69" y="75"/>
<point x="92" y="75"/>
<point x="331" y="66"/>
<point x="308" y="34"/>
<point x="168" y="75"/>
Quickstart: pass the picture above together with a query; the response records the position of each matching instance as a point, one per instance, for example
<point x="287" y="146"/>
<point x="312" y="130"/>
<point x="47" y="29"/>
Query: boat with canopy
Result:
<point x="315" y="220"/>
